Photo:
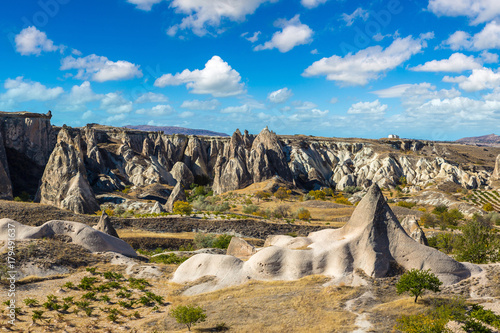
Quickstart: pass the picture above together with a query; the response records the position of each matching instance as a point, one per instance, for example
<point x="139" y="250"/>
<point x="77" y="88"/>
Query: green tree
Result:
<point x="478" y="243"/>
<point x="403" y="181"/>
<point x="262" y="195"/>
<point x="182" y="208"/>
<point x="282" y="194"/>
<point x="188" y="315"/>
<point x="416" y="281"/>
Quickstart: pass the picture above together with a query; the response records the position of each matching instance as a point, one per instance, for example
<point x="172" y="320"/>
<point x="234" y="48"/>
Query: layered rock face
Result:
<point x="64" y="181"/>
<point x="5" y="183"/>
<point x="26" y="141"/>
<point x="372" y="241"/>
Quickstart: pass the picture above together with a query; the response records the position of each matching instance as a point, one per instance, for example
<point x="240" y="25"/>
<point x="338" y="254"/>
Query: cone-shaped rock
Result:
<point x="105" y="225"/>
<point x="496" y="172"/>
<point x="177" y="194"/>
<point x="157" y="209"/>
<point x="372" y="240"/>
<point x="64" y="181"/>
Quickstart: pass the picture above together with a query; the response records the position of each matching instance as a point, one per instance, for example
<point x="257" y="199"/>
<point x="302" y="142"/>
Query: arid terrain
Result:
<point x="293" y="234"/>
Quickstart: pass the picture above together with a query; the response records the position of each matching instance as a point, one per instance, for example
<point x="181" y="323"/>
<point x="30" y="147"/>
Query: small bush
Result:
<point x="188" y="315"/>
<point x="303" y="214"/>
<point x="406" y="204"/>
<point x="250" y="209"/>
<point x="202" y="241"/>
<point x="317" y="195"/>
<point x="416" y="281"/>
<point x="352" y="189"/>
<point x="169" y="259"/>
<point x="488" y="207"/>
<point x="222" y="241"/>
<point x="182" y="208"/>
<point x="343" y="201"/>
<point x="282" y="194"/>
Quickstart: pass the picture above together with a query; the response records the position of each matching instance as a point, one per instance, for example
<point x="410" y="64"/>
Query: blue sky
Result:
<point x="336" y="68"/>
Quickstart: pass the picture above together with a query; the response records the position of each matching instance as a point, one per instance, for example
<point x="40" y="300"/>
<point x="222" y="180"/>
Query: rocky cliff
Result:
<point x="111" y="158"/>
<point x="26" y="142"/>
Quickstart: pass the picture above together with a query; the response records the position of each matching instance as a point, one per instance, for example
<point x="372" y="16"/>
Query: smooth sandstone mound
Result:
<point x="372" y="240"/>
<point x="81" y="234"/>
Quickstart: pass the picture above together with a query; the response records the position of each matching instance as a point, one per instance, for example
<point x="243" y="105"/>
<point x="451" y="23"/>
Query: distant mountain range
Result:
<point x="175" y="130"/>
<point x="485" y="140"/>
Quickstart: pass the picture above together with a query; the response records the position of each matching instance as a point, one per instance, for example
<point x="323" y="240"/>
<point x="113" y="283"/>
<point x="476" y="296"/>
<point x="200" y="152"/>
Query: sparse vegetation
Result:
<point x="182" y="208"/>
<point x="188" y="315"/>
<point x="417" y="281"/>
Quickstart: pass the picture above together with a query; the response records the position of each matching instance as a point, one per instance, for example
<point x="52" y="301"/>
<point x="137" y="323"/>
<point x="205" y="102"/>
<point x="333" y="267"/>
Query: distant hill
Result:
<point x="175" y="130"/>
<point x="491" y="140"/>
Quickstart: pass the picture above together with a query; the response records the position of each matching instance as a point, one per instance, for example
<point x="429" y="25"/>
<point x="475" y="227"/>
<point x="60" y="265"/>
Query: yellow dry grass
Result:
<point x="277" y="306"/>
<point x="128" y="233"/>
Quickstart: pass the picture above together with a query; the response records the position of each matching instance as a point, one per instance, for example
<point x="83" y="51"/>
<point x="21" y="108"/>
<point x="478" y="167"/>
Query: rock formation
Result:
<point x="105" y="225"/>
<point x="412" y="228"/>
<point x="5" y="183"/>
<point x="372" y="241"/>
<point x="157" y="209"/>
<point x="177" y="194"/>
<point x="64" y="181"/>
<point x="181" y="173"/>
<point x="496" y="171"/>
<point x="240" y="248"/>
<point x="81" y="234"/>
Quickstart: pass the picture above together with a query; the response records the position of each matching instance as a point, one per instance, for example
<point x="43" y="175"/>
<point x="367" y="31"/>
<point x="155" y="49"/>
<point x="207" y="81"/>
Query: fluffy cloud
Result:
<point x="217" y="79"/>
<point x="458" y="62"/>
<point x="303" y="115"/>
<point x="374" y="108"/>
<point x="202" y="14"/>
<point x="299" y="105"/>
<point x="293" y="33"/>
<point x="480" y="79"/>
<point x="144" y="4"/>
<point x="479" y="11"/>
<point x="488" y="38"/>
<point x="21" y="90"/>
<point x="200" y="105"/>
<point x="413" y="95"/>
<point x="151" y="97"/>
<point x="101" y="69"/>
<point x="33" y="41"/>
<point x="312" y="3"/>
<point x="156" y="111"/>
<point x="245" y="108"/>
<point x="116" y="104"/>
<point x="458" y="109"/>
<point x="78" y="97"/>
<point x="358" y="13"/>
<point x="253" y="38"/>
<point x="367" y="64"/>
<point x="280" y="96"/>
<point x="186" y="114"/>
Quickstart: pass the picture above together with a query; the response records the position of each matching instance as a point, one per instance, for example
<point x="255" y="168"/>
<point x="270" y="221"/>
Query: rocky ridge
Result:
<point x="108" y="159"/>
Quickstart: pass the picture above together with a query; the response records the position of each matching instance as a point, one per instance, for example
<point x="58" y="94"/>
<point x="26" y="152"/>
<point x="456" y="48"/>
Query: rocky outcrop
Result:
<point x="412" y="228"/>
<point x="81" y="234"/>
<point x="372" y="241"/>
<point x="104" y="225"/>
<point x="5" y="183"/>
<point x="157" y="209"/>
<point x="240" y="248"/>
<point x="181" y="173"/>
<point x="177" y="194"/>
<point x="496" y="171"/>
<point x="64" y="181"/>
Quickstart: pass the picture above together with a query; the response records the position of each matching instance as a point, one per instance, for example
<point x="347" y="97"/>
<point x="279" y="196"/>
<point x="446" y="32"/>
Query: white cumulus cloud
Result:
<point x="21" y="90"/>
<point x="479" y="11"/>
<point x="115" y="103"/>
<point x="367" y="64"/>
<point x="202" y="14"/>
<point x="488" y="38"/>
<point x="217" y="79"/>
<point x="458" y="62"/>
<point x="280" y="96"/>
<point x="312" y="3"/>
<point x="358" y="13"/>
<point x="33" y="41"/>
<point x="200" y="105"/>
<point x="151" y="97"/>
<point x="374" y="108"/>
<point x="144" y="4"/>
<point x="293" y="33"/>
<point x="101" y="69"/>
<point x="416" y="94"/>
<point x="156" y="111"/>
<point x="480" y="79"/>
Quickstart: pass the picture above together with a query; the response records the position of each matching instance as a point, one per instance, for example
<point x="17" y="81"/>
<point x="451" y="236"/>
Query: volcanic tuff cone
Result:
<point x="373" y="241"/>
<point x="105" y="225"/>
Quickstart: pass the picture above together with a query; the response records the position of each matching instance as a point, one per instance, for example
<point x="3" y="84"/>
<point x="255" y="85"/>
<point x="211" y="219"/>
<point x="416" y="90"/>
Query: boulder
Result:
<point x="496" y="171"/>
<point x="181" y="173"/>
<point x="105" y="225"/>
<point x="412" y="228"/>
<point x="177" y="194"/>
<point x="64" y="182"/>
<point x="81" y="234"/>
<point x="240" y="248"/>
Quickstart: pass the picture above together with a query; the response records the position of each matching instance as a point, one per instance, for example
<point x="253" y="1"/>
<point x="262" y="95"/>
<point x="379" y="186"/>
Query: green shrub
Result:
<point x="202" y="241"/>
<point x="478" y="243"/>
<point x="250" y="209"/>
<point x="406" y="204"/>
<point x="222" y="241"/>
<point x="303" y="214"/>
<point x="343" y="201"/>
<point x="169" y="259"/>
<point x="182" y="208"/>
<point x="317" y="195"/>
<point x="352" y="189"/>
